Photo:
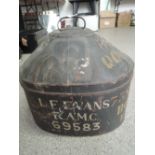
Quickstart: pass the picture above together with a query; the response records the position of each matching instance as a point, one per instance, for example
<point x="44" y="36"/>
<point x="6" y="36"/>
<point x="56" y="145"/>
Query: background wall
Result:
<point x="92" y="21"/>
<point x="125" y="5"/>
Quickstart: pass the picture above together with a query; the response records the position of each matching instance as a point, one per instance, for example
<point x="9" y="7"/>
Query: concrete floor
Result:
<point x="34" y="141"/>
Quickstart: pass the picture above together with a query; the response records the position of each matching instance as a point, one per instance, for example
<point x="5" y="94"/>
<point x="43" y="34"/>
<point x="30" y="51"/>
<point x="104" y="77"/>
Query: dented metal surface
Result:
<point x="77" y="83"/>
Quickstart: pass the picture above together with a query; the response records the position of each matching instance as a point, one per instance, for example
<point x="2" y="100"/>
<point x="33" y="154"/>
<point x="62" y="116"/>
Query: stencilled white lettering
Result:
<point x="74" y="116"/>
<point x="82" y="115"/>
<point x="53" y="103"/>
<point x="86" y="127"/>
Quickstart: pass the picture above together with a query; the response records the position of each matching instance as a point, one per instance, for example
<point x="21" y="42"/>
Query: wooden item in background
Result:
<point x="124" y="19"/>
<point x="107" y="19"/>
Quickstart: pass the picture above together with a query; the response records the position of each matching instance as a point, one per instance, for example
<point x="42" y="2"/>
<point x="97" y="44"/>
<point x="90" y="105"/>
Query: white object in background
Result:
<point x="105" y="5"/>
<point x="66" y="9"/>
<point x="53" y="20"/>
<point x="91" y="22"/>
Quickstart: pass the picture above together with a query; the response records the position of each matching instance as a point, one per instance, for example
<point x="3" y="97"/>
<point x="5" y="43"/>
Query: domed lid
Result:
<point x="76" y="57"/>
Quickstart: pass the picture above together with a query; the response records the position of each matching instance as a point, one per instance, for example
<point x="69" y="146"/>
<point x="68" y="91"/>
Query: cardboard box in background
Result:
<point x="124" y="19"/>
<point x="107" y="19"/>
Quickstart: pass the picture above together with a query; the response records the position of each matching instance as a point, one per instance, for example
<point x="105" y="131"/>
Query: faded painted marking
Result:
<point x="107" y="61"/>
<point x="115" y="57"/>
<point x="114" y="97"/>
<point x="120" y="109"/>
<point x="111" y="60"/>
<point x="40" y="102"/>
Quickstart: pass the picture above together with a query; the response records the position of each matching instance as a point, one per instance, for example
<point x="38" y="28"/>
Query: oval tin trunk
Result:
<point x="77" y="83"/>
